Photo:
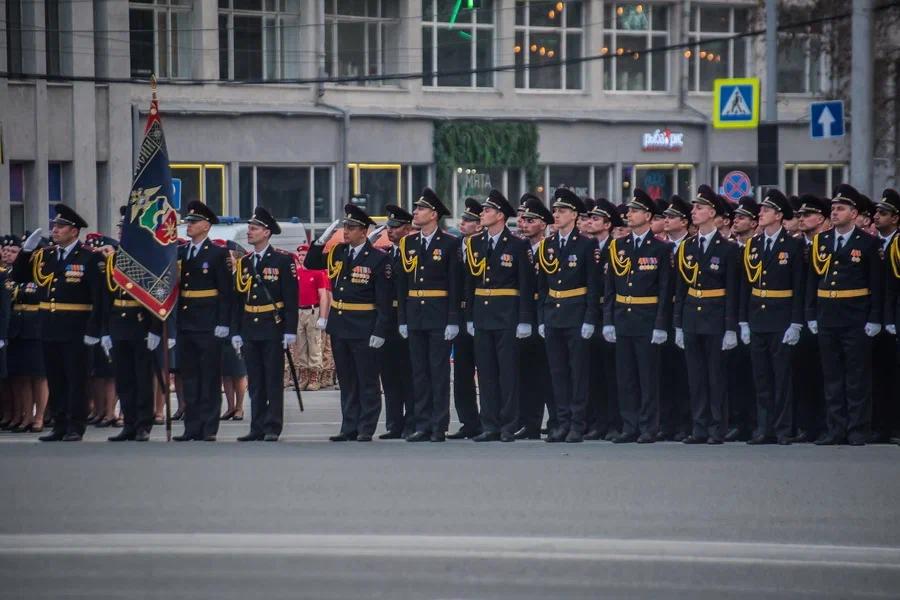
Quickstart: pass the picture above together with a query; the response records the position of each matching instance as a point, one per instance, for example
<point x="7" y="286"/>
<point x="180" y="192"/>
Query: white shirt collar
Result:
<point x="639" y="238"/>
<point x="774" y="238"/>
<point x="263" y="252"/>
<point x="707" y="236"/>
<point x="427" y="238"/>
<point x="842" y="236"/>
<point x="886" y="239"/>
<point x="198" y="244"/>
<point x="356" y="249"/>
<point x="534" y="247"/>
<point x="601" y="244"/>
<point x="496" y="238"/>
<point x="68" y="249"/>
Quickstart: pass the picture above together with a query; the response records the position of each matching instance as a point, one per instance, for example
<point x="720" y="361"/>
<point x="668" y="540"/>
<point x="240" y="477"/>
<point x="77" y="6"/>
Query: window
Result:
<point x="574" y="178"/>
<point x="418" y="178"/>
<point x="14" y="36"/>
<point x="51" y="36"/>
<point x="548" y="34"/>
<point x="204" y="182"/>
<point x="709" y="61"/>
<point x="381" y="183"/>
<point x="161" y="34"/>
<point x="818" y="179"/>
<point x="288" y="192"/>
<point x="658" y="180"/>
<point x="361" y="38"/>
<point x="259" y="40"/>
<point x="55" y="184"/>
<point x="17" y="195"/>
<point x="802" y="63"/>
<point x="587" y="181"/>
<point x="629" y="29"/>
<point x="455" y="42"/>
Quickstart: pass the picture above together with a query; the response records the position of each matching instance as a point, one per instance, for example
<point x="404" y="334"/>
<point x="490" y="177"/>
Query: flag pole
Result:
<point x="164" y="380"/>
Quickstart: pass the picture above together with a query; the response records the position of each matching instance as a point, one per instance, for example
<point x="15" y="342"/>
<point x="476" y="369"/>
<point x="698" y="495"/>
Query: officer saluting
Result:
<point x="360" y="313"/>
<point x="69" y="316"/>
<point x="499" y="310"/>
<point x="204" y="314"/>
<point x="265" y="317"/>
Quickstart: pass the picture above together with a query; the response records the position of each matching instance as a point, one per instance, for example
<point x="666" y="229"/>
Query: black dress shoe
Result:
<point x="506" y="436"/>
<point x="251" y="437"/>
<point x="343" y="437"/>
<point x="527" y="434"/>
<point x="122" y="436"/>
<point x="856" y="441"/>
<point x="646" y="438"/>
<point x="487" y="436"/>
<point x="761" y="440"/>
<point x="463" y="434"/>
<point x="142" y="436"/>
<point x="714" y="441"/>
<point x="611" y="436"/>
<point x="784" y="441"/>
<point x="438" y="436"/>
<point x="72" y="437"/>
<point x="557" y="436"/>
<point x="662" y="436"/>
<point x="679" y="436"/>
<point x="419" y="436"/>
<point x="270" y="437"/>
<point x="390" y="435"/>
<point x="802" y="437"/>
<point x="626" y="438"/>
<point x="209" y="438"/>
<point x="733" y="435"/>
<point x="364" y="437"/>
<point x="593" y="435"/>
<point x="182" y="438"/>
<point x="52" y="437"/>
<point x="574" y="438"/>
<point x="829" y="440"/>
<point x="693" y="440"/>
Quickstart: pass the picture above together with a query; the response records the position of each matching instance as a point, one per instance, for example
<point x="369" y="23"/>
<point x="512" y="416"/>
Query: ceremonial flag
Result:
<point x="146" y="263"/>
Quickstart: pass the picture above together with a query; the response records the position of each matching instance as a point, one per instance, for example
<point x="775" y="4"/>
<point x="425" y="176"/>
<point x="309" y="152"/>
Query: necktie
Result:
<point x="352" y="254"/>
<point x="702" y="245"/>
<point x="768" y="246"/>
<point x="59" y="255"/>
<point x="884" y="244"/>
<point x="192" y="253"/>
<point x="840" y="243"/>
<point x="424" y="243"/>
<point x="256" y="262"/>
<point x="562" y="243"/>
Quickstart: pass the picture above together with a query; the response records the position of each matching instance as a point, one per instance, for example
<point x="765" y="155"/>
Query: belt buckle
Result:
<point x="418" y="293"/>
<point x="832" y="294"/>
<point x="699" y="293"/>
<point x="627" y="299"/>
<point x="762" y="293"/>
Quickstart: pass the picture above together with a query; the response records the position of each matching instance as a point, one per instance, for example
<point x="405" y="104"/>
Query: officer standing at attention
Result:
<point x="204" y="314"/>
<point x="429" y="297"/>
<point x="70" y="314"/>
<point x="771" y="317"/>
<point x="706" y="309"/>
<point x="568" y="308"/>
<point x="844" y="307"/>
<point x="499" y="311"/>
<point x="264" y="322"/>
<point x="885" y="409"/>
<point x="360" y="314"/>
<point x="636" y="314"/>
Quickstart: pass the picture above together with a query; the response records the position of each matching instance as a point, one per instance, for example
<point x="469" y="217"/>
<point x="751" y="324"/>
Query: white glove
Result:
<point x="523" y="330"/>
<point x="91" y="341"/>
<point x="609" y="333"/>
<point x="470" y="328"/>
<point x="792" y="335"/>
<point x="106" y="344"/>
<point x="679" y="337"/>
<point x="2" y="344"/>
<point x="288" y="340"/>
<point x="152" y="341"/>
<point x="450" y="332"/>
<point x="542" y="331"/>
<point x="729" y="340"/>
<point x="237" y="342"/>
<point x="376" y="233"/>
<point x="745" y="333"/>
<point x="32" y="242"/>
<point x="170" y="343"/>
<point x="659" y="337"/>
<point x="326" y="235"/>
<point x="587" y="331"/>
<point x="376" y="342"/>
<point x="321" y="323"/>
<point x="873" y="329"/>
<point x="813" y="327"/>
<point x="891" y="329"/>
<point x="220" y="331"/>
<point x="404" y="331"/>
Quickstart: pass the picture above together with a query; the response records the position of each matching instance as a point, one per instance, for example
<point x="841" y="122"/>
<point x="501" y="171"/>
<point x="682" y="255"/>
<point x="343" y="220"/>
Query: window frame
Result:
<point x="563" y="31"/>
<point x="609" y="29"/>
<point x="312" y="224"/>
<point x="697" y="36"/>
<point x="472" y="28"/>
<point x="18" y="205"/>
<point x="167" y="8"/>
<point x="201" y="169"/>
<point x="794" y="168"/>
<point x="278" y="14"/>
<point x="807" y="37"/>
<point x="333" y="19"/>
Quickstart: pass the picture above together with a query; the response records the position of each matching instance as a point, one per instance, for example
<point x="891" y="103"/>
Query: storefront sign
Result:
<point x="663" y="140"/>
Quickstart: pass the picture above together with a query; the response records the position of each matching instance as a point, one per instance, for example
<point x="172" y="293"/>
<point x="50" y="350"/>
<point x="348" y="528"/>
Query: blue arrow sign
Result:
<point x="826" y="119"/>
<point x="175" y="200"/>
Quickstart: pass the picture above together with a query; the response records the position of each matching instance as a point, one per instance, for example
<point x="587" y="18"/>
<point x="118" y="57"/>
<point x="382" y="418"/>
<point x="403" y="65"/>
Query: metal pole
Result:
<point x="861" y="140"/>
<point x="164" y="380"/>
<point x="772" y="61"/>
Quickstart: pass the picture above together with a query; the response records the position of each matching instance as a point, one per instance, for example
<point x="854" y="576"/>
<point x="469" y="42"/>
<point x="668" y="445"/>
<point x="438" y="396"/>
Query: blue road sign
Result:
<point x="176" y="194"/>
<point x="826" y="119"/>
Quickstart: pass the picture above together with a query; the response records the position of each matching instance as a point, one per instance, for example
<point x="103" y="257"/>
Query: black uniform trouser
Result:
<point x="637" y="363"/>
<point x="772" y="371"/>
<point x="534" y="385"/>
<point x="357" y="370"/>
<point x="429" y="355"/>
<point x="884" y="392"/>
<point x="674" y="399"/>
<point x="465" y="397"/>
<point x="809" y="391"/>
<point x="66" y="363"/>
<point x="497" y="358"/>
<point x="133" y="366"/>
<point x="199" y="357"/>
<point x="397" y="385"/>
<point x="603" y="403"/>
<point x="847" y="365"/>
<point x="740" y="413"/>
<point x="708" y="383"/>
<point x="567" y="354"/>
<point x="265" y="380"/>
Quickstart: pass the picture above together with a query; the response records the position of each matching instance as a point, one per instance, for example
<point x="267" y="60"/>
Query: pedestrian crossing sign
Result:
<point x="736" y="103"/>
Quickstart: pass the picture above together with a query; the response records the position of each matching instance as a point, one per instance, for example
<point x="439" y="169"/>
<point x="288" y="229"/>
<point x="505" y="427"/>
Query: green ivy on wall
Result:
<point x="484" y="145"/>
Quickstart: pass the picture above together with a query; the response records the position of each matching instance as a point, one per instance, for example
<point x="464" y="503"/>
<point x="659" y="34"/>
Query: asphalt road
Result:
<point x="305" y="518"/>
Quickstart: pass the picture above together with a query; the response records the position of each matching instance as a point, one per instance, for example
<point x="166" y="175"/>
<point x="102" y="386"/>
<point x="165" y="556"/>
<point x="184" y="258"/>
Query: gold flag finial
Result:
<point x="153" y="85"/>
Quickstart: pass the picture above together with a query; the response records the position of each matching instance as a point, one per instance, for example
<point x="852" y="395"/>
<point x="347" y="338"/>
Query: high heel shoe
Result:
<point x="14" y="427"/>
<point x="103" y="423"/>
<point x="21" y="428"/>
<point x="179" y="415"/>
<point x="238" y="417"/>
<point x="229" y="414"/>
<point x="36" y="428"/>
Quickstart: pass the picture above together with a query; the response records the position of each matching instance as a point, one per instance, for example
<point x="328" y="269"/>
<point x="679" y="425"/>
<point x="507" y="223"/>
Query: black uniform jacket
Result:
<point x="428" y="285"/>
<point x="707" y="289"/>
<point x="123" y="317"/>
<point x="639" y="285"/>
<point x="772" y="284"/>
<point x="265" y="301"/>
<point x="568" y="282"/>
<point x="205" y="289"/>
<point x="892" y="279"/>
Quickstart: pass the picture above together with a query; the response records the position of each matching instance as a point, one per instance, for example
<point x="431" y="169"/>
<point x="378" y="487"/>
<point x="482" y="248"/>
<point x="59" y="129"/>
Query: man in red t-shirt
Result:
<point x="314" y="302"/>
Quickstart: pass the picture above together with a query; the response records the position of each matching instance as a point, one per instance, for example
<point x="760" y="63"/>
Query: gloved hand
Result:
<point x="288" y="340"/>
<point x="542" y="331"/>
<point x="523" y="330"/>
<point x="450" y="332"/>
<point x="220" y="331"/>
<point x="321" y="323"/>
<point x="873" y="329"/>
<point x="729" y="340"/>
<point x="90" y="340"/>
<point x="237" y="342"/>
<point x="679" y="337"/>
<point x="376" y="233"/>
<point x="813" y="327"/>
<point x="891" y="328"/>
<point x="2" y="344"/>
<point x="326" y="235"/>
<point x="470" y="328"/>
<point x="792" y="334"/>
<point x="587" y="330"/>
<point x="152" y="341"/>
<point x="106" y="344"/>
<point x="609" y="333"/>
<point x="745" y="333"/>
<point x="32" y="242"/>
<point x="404" y="331"/>
<point x="170" y="343"/>
<point x="659" y="337"/>
<point x="376" y="342"/>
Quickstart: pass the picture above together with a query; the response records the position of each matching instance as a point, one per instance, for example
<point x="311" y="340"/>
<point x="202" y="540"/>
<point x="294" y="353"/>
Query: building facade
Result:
<point x="568" y="85"/>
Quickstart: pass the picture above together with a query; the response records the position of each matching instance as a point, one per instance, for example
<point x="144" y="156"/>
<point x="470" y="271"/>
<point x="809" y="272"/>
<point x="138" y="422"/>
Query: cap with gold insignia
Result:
<point x="605" y="208"/>
<point x="728" y="207"/>
<point x="589" y="204"/>
<point x="641" y="200"/>
<point x="678" y="208"/>
<point x="747" y="207"/>
<point x="706" y="195"/>
<point x="472" y="212"/>
<point x="264" y="218"/>
<point x="67" y="216"/>
<point x="531" y="207"/>
<point x="661" y="205"/>
<point x="890" y="201"/>
<point x="866" y="206"/>
<point x="774" y="199"/>
<point x="198" y="211"/>
<point x="354" y="215"/>
<point x="847" y="194"/>
<point x="429" y="199"/>
<point x="498" y="201"/>
<point x="397" y="216"/>
<point x="566" y="198"/>
<point x="810" y="203"/>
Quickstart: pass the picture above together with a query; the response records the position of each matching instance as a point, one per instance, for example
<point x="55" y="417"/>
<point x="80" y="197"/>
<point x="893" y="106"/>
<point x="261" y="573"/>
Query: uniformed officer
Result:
<point x="568" y="308"/>
<point x="535" y="390"/>
<point x="885" y="409"/>
<point x="396" y="381"/>
<point x="264" y="322"/>
<point x="499" y="311"/>
<point x="636" y="314"/>
<point x="465" y="396"/>
<point x="66" y="274"/>
<point x="204" y="314"/>
<point x="705" y="318"/>
<point x="844" y="307"/>
<point x="429" y="296"/>
<point x="771" y="316"/>
<point x="362" y="287"/>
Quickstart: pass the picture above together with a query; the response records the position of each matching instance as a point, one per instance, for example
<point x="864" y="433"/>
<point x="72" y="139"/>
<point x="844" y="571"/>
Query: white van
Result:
<point x="230" y="228"/>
